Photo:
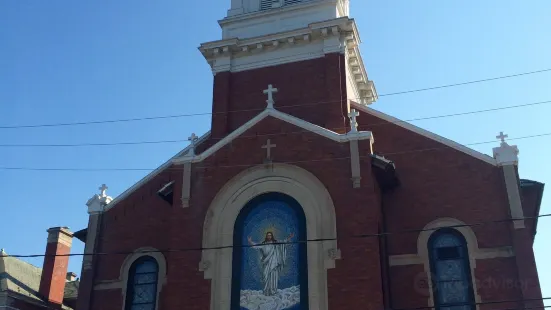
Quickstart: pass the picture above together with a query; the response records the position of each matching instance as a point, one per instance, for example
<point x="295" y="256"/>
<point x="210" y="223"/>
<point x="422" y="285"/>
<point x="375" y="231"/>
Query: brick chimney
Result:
<point x="54" y="270"/>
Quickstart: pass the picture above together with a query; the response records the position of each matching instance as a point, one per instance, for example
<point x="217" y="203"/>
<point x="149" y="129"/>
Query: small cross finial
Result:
<point x="193" y="139"/>
<point x="502" y="137"/>
<point x="353" y="121"/>
<point x="268" y="148"/>
<point x="270" y="92"/>
<point x="103" y="188"/>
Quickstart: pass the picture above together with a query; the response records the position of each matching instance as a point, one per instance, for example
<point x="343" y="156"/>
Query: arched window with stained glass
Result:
<point x="141" y="293"/>
<point x="270" y="270"/>
<point x="451" y="272"/>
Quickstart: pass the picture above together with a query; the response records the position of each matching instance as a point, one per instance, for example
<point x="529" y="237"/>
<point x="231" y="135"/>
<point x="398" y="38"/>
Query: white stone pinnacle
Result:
<point x="353" y="121"/>
<point x="193" y="139"/>
<point x="103" y="189"/>
<point x="270" y="92"/>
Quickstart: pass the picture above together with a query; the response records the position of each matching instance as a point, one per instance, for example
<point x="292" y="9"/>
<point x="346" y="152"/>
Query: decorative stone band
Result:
<point x="338" y="35"/>
<point x="484" y="253"/>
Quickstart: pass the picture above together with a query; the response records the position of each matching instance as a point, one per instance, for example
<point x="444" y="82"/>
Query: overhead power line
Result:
<point x="250" y="165"/>
<point x="248" y="110"/>
<point x="465" y="83"/>
<point x="290" y="132"/>
<point x="360" y="236"/>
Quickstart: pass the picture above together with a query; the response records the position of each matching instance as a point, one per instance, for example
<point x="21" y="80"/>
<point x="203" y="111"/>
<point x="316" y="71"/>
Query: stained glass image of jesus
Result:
<point x="273" y="255"/>
<point x="269" y="265"/>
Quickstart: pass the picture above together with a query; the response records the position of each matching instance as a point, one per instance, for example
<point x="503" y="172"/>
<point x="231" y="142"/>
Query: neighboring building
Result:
<point x="289" y="159"/>
<point x="24" y="286"/>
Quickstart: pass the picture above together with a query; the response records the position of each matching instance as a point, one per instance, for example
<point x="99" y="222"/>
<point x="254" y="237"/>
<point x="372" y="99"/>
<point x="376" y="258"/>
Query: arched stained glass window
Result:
<point x="270" y="271"/>
<point x="141" y="293"/>
<point x="451" y="272"/>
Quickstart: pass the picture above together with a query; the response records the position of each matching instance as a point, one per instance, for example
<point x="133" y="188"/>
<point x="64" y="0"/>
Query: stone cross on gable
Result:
<point x="103" y="189"/>
<point x="353" y="121"/>
<point x="270" y="92"/>
<point x="268" y="148"/>
<point x="502" y="137"/>
<point x="193" y="140"/>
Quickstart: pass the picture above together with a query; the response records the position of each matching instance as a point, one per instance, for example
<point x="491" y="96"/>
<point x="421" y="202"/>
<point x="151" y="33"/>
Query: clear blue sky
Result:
<point x="63" y="61"/>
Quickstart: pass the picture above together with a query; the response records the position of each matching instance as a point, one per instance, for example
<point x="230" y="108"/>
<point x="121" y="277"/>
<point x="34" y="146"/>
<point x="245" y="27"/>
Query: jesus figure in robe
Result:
<point x="272" y="258"/>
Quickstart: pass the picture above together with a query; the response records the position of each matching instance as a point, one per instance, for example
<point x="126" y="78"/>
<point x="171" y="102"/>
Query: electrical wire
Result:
<point x="250" y="165"/>
<point x="248" y="110"/>
<point x="361" y="236"/>
<point x="290" y="132"/>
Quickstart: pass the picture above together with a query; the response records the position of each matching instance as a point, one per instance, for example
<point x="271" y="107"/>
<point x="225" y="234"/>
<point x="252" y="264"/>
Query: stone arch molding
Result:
<point x="130" y="259"/>
<point x="472" y="247"/>
<point x="293" y="181"/>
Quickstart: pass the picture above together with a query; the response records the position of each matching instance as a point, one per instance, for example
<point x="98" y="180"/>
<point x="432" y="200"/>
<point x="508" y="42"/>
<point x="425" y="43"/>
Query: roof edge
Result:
<point x="152" y="174"/>
<point x="425" y="133"/>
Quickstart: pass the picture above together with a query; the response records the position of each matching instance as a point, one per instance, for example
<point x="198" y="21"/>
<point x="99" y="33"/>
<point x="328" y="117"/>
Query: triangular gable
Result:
<point x="424" y="133"/>
<point x="324" y="132"/>
<point x="183" y="157"/>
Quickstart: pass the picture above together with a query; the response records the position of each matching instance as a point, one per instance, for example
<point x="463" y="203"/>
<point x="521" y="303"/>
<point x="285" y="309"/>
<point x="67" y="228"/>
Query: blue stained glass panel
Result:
<point x="451" y="272"/>
<point x="142" y="290"/>
<point x="270" y="273"/>
<point x="448" y="270"/>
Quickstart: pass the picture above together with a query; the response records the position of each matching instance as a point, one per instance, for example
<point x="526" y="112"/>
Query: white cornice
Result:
<point x="338" y="35"/>
<point x="425" y="133"/>
<point x="324" y="132"/>
<point x="218" y="48"/>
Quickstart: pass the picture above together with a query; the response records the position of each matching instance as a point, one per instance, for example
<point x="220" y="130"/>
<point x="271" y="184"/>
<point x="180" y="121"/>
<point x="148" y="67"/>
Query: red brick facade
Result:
<point x="437" y="183"/>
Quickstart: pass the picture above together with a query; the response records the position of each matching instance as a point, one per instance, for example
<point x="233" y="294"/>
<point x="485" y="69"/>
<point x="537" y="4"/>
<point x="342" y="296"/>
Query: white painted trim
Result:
<point x="324" y="132"/>
<point x="151" y="175"/>
<point x="425" y="133"/>
<point x="335" y="35"/>
<point x="513" y="195"/>
<point x="224" y="209"/>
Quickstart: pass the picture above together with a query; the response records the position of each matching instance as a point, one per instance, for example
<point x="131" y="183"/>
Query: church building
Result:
<point x="303" y="197"/>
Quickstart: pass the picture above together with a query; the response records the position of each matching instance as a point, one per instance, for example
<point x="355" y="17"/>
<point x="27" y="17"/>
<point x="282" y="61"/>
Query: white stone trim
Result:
<point x="425" y="133"/>
<point x="122" y="281"/>
<point x="324" y="132"/>
<point x="319" y="211"/>
<point x="506" y="155"/>
<point x="355" y="164"/>
<point x="186" y="186"/>
<point x="513" y="195"/>
<point x="336" y="35"/>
